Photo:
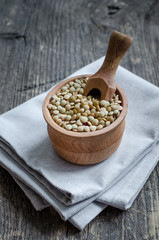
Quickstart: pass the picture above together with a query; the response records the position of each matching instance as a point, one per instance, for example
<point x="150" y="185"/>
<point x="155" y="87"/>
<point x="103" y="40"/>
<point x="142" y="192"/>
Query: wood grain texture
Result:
<point x="104" y="78"/>
<point x="36" y="38"/>
<point x="82" y="148"/>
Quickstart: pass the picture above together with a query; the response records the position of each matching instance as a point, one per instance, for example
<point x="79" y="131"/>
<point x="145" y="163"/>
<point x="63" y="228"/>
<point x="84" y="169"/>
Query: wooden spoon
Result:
<point x="103" y="81"/>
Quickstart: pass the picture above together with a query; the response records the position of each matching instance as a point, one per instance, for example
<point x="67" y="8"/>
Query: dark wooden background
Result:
<point x="42" y="42"/>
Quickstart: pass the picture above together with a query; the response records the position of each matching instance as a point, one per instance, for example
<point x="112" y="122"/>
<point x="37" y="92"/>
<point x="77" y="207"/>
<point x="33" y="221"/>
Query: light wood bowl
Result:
<point x="85" y="148"/>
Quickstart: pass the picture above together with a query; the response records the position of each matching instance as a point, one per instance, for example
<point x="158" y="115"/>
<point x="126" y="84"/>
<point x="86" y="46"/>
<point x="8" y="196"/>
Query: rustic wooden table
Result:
<point x="42" y="42"/>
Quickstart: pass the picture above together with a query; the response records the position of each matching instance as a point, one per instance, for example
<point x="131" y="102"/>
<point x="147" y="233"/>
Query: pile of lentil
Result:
<point x="71" y="110"/>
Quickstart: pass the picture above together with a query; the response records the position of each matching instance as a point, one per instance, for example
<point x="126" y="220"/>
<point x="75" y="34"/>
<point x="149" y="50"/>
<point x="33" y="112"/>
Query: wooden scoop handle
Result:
<point x="104" y="78"/>
<point x="118" y="46"/>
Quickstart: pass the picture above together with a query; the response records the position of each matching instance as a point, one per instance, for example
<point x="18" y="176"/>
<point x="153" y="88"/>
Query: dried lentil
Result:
<point x="75" y="112"/>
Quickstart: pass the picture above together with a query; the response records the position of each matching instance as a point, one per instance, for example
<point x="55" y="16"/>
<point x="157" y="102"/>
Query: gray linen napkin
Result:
<point x="79" y="193"/>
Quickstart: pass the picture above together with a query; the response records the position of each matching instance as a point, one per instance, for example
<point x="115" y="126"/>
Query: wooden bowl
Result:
<point x="85" y="148"/>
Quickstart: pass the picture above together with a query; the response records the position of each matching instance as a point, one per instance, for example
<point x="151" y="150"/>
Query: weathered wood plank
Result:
<point x="41" y="42"/>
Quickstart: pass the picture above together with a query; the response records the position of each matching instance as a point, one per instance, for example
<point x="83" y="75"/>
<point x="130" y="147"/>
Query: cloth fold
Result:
<point x="79" y="193"/>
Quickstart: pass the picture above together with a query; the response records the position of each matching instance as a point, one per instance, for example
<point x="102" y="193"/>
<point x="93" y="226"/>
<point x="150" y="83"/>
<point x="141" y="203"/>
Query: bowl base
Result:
<point x="87" y="158"/>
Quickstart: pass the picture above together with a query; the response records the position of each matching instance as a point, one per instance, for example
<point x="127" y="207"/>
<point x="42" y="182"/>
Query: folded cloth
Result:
<point x="79" y="193"/>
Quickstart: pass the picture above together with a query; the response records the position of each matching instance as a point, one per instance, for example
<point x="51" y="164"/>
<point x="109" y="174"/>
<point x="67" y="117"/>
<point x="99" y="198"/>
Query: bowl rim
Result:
<point x="67" y="133"/>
